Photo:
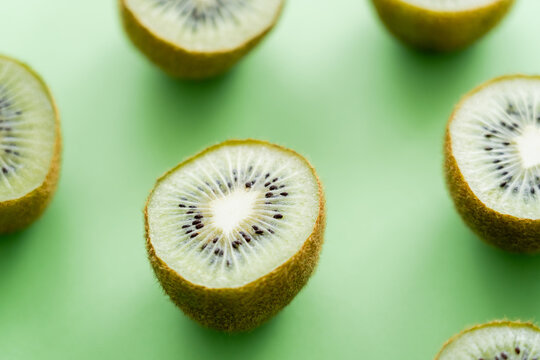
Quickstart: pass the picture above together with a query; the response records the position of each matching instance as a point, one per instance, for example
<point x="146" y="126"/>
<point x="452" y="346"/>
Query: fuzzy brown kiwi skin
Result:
<point x="183" y="63"/>
<point x="441" y="31"/>
<point x="507" y="232"/>
<point x="244" y="308"/>
<point x="497" y="323"/>
<point x="19" y="213"/>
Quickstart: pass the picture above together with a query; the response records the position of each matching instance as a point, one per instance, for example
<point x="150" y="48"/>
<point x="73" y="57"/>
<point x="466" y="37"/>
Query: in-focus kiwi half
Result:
<point x="441" y="25"/>
<point x="498" y="340"/>
<point x="29" y="145"/>
<point x="234" y="233"/>
<point x="492" y="162"/>
<point x="198" y="38"/>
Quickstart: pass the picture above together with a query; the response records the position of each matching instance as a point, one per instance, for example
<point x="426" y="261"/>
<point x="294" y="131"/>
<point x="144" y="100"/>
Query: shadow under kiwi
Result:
<point x="214" y="344"/>
<point x="426" y="83"/>
<point x="508" y="279"/>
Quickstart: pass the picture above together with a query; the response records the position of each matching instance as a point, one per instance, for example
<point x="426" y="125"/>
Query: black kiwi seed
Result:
<point x="284" y="194"/>
<point x="269" y="195"/>
<point x="517" y="350"/>
<point x="278" y="216"/>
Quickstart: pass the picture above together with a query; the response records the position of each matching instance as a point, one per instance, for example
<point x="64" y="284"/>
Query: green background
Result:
<point x="399" y="272"/>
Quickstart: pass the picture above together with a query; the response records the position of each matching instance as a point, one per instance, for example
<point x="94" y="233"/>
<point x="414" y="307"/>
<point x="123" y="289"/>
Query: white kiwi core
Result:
<point x="233" y="214"/>
<point x="503" y="342"/>
<point x="451" y="5"/>
<point x="528" y="145"/>
<point x="206" y="25"/>
<point x="27" y="131"/>
<point x="495" y="138"/>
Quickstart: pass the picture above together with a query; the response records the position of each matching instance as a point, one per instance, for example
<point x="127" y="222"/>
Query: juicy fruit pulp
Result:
<point x="495" y="141"/>
<point x="494" y="341"/>
<point x="233" y="215"/>
<point x="27" y="131"/>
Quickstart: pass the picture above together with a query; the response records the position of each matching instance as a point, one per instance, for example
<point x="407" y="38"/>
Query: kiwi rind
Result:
<point x="496" y="323"/>
<point x="246" y="307"/>
<point x="183" y="63"/>
<point x="441" y="31"/>
<point x="507" y="232"/>
<point x="18" y="214"/>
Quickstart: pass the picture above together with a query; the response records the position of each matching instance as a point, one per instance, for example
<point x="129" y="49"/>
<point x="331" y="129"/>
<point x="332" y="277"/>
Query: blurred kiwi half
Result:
<point x="30" y="145"/>
<point x="198" y="38"/>
<point x="492" y="162"/>
<point x="441" y="25"/>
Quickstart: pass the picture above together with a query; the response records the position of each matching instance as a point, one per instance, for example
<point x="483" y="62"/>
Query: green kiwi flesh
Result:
<point x="498" y="340"/>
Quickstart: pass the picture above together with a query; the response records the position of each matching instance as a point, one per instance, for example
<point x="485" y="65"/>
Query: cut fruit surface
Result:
<point x="234" y="214"/>
<point x="234" y="233"/>
<point x="494" y="341"/>
<point x="206" y="25"/>
<point x="496" y="143"/>
<point x="27" y="131"/>
<point x="450" y="5"/>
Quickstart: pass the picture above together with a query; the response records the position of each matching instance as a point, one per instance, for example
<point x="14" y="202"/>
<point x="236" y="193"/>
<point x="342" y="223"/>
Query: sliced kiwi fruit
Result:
<point x="492" y="162"/>
<point x="234" y="233"/>
<point x="498" y="340"/>
<point x="198" y="38"/>
<point x="29" y="145"/>
<point x="441" y="25"/>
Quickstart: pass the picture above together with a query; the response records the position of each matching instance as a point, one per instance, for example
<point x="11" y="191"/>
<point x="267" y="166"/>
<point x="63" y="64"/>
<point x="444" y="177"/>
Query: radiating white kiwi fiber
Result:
<point x="233" y="214"/>
<point x="27" y="131"/>
<point x="496" y="143"/>
<point x="450" y="5"/>
<point x="494" y="341"/>
<point x="206" y="25"/>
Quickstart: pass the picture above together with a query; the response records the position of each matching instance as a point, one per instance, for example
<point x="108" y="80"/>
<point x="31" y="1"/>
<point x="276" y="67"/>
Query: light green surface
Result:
<point x="399" y="271"/>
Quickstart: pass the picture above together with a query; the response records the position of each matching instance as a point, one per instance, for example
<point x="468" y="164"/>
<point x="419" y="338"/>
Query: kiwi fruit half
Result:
<point x="234" y="233"/>
<point x="498" y="340"/>
<point x="492" y="162"/>
<point x="441" y="25"/>
<point x="29" y="145"/>
<point x="198" y="38"/>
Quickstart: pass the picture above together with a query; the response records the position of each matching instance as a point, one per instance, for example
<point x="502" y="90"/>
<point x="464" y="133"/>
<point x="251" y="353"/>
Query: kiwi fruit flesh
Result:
<point x="29" y="145"/>
<point x="441" y="25"/>
<point x="492" y="162"/>
<point x="234" y="233"/>
<point x="498" y="340"/>
<point x="198" y="38"/>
